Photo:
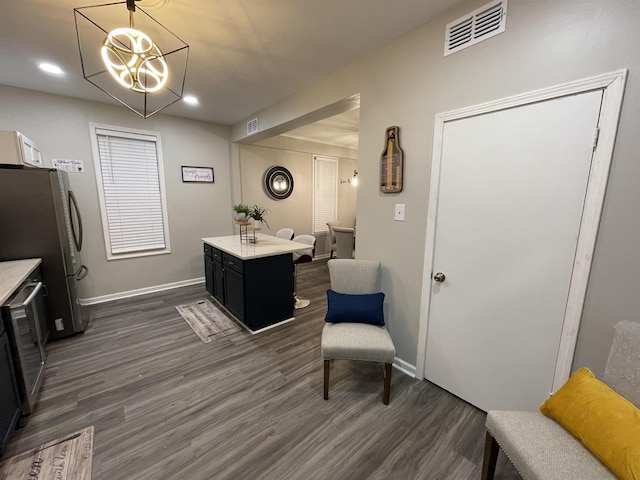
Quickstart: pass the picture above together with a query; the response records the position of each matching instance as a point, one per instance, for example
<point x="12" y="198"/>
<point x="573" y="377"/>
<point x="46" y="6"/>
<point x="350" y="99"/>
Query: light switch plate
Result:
<point x="399" y="212"/>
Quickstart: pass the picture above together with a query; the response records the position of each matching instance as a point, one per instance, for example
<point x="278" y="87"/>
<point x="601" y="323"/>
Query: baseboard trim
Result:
<point x="140" y="291"/>
<point x="405" y="367"/>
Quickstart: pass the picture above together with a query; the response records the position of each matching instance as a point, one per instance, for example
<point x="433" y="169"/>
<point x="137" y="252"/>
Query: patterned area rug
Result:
<point x="207" y="321"/>
<point x="68" y="458"/>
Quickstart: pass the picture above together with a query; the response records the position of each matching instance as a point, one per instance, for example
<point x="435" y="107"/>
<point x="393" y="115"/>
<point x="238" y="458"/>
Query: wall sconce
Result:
<point x="353" y="180"/>
<point x="142" y="65"/>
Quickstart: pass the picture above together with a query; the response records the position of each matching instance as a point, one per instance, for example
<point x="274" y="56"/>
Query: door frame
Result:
<point x="612" y="85"/>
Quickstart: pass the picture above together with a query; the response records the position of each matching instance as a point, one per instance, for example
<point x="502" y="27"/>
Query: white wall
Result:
<point x="60" y="126"/>
<point x="296" y="211"/>
<point x="409" y="81"/>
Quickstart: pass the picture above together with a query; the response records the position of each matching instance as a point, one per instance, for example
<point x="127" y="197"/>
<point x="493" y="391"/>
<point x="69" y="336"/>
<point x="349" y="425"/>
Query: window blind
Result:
<point x="325" y="192"/>
<point x="133" y="202"/>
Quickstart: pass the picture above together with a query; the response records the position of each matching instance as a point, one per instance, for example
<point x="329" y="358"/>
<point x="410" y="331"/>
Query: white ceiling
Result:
<point x="340" y="130"/>
<point x="244" y="55"/>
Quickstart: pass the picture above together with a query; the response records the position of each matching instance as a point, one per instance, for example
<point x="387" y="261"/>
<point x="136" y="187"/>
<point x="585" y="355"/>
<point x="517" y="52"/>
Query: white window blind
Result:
<point x="131" y="186"/>
<point x="325" y="192"/>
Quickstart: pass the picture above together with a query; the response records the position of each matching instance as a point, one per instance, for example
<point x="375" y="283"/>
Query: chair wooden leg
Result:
<point x="387" y="383"/>
<point x="491" y="450"/>
<point x="327" y="364"/>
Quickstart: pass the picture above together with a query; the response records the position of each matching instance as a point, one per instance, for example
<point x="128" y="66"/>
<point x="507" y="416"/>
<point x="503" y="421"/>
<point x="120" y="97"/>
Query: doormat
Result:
<point x="67" y="458"/>
<point x="207" y="321"/>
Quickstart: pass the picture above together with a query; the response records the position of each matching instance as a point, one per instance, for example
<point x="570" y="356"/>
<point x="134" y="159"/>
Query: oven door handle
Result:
<point x="29" y="299"/>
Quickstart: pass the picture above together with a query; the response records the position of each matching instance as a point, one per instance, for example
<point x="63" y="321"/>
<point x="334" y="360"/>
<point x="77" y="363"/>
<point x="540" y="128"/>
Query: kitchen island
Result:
<point x="254" y="282"/>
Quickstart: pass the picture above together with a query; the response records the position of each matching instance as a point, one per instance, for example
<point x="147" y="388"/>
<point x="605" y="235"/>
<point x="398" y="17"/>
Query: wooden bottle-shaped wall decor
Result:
<point x="391" y="162"/>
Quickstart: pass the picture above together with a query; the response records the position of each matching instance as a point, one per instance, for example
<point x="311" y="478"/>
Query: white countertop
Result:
<point x="265" y="246"/>
<point x="13" y="273"/>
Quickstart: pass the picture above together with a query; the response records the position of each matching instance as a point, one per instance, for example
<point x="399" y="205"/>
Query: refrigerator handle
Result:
<point x="83" y="272"/>
<point x="77" y="236"/>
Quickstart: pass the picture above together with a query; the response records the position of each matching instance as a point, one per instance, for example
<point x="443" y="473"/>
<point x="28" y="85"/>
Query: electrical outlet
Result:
<point x="59" y="324"/>
<point x="399" y="212"/>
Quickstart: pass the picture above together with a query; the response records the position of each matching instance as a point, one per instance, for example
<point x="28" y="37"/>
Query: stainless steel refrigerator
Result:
<point x="39" y="217"/>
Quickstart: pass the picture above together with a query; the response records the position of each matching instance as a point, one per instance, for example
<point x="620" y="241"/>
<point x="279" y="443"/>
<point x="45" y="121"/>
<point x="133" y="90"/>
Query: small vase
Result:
<point x="240" y="217"/>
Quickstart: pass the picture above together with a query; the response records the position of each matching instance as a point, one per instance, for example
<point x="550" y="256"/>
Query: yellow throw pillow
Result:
<point x="604" y="421"/>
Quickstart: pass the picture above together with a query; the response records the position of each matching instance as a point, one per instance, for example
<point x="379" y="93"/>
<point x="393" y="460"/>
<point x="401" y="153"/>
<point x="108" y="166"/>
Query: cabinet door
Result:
<point x="268" y="284"/>
<point x="208" y="274"/>
<point x="216" y="278"/>
<point x="234" y="292"/>
<point x="9" y="399"/>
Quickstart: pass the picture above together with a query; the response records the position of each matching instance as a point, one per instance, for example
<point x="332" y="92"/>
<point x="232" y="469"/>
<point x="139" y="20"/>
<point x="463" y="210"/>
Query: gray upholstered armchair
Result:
<point x="333" y="246"/>
<point x="344" y="241"/>
<point x="540" y="448"/>
<point x="356" y="307"/>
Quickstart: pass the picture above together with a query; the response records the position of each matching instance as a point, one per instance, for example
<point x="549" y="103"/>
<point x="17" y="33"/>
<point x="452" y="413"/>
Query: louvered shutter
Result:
<point x="325" y="192"/>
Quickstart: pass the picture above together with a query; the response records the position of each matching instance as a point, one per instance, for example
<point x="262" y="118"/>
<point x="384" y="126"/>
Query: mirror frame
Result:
<point x="271" y="175"/>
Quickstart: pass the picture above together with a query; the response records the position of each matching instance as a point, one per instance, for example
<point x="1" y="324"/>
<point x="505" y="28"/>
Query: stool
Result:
<point x="305" y="257"/>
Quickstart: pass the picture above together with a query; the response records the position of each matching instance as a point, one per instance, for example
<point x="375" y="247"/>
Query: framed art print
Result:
<point x="197" y="174"/>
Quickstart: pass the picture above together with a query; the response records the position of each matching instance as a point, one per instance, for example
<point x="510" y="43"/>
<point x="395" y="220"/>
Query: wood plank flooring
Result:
<point x="244" y="407"/>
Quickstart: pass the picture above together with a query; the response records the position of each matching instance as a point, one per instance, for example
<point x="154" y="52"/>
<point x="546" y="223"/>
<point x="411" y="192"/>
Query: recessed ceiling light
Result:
<point x="191" y="100"/>
<point x="51" y="68"/>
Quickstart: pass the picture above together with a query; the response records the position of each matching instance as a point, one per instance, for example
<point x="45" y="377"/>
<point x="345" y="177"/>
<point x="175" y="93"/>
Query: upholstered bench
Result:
<point x="540" y="448"/>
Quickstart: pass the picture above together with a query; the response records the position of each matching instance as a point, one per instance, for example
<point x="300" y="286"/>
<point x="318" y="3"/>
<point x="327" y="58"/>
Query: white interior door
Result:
<point x="511" y="196"/>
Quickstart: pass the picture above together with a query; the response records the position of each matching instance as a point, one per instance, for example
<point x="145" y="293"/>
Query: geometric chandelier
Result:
<point x="132" y="58"/>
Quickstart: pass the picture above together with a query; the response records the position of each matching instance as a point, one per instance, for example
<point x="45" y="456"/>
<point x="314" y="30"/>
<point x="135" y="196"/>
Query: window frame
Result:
<point x="136" y="134"/>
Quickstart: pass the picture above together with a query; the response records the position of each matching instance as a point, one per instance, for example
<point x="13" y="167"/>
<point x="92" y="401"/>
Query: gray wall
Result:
<point x="296" y="211"/>
<point x="409" y="81"/>
<point x="60" y="126"/>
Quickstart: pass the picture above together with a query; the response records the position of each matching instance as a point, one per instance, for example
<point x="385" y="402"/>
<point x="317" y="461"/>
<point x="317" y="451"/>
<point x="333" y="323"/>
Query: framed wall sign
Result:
<point x="197" y="174"/>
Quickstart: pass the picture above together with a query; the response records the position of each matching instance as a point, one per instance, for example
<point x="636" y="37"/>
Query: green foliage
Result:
<point x="242" y="208"/>
<point x="258" y="214"/>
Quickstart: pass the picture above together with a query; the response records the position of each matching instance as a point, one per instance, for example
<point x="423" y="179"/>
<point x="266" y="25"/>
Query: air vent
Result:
<point x="475" y="27"/>
<point x="252" y="126"/>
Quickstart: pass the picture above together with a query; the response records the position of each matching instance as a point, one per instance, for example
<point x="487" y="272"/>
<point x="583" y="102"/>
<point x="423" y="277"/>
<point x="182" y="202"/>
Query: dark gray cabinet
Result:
<point x="213" y="272"/>
<point x="257" y="291"/>
<point x="216" y="276"/>
<point x="10" y="406"/>
<point x="208" y="274"/>
<point x="234" y="289"/>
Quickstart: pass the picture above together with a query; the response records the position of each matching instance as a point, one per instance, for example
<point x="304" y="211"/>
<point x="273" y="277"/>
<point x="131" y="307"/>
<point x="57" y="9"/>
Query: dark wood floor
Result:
<point x="166" y="406"/>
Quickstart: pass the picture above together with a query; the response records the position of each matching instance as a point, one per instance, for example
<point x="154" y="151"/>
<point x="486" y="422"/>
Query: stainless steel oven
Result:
<point x="22" y="316"/>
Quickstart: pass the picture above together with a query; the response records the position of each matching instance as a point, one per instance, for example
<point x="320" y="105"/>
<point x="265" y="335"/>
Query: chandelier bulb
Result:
<point x="134" y="61"/>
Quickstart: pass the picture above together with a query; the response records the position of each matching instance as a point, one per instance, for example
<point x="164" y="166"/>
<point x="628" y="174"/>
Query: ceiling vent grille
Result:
<point x="252" y="126"/>
<point x="475" y="27"/>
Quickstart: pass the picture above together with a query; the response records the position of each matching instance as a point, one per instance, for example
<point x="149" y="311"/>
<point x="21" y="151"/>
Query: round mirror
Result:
<point x="278" y="182"/>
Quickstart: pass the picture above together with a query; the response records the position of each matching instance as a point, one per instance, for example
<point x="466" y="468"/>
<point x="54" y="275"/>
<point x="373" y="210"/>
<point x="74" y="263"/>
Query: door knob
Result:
<point x="439" y="277"/>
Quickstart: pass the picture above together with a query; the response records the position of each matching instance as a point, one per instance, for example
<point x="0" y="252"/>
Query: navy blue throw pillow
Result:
<point x="343" y="307"/>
